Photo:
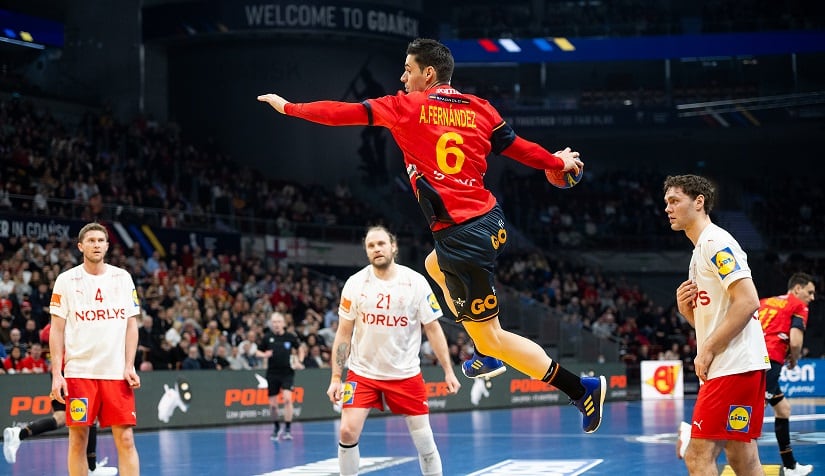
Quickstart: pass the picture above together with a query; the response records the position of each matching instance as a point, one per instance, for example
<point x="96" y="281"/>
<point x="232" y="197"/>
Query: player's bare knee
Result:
<point x="60" y="418"/>
<point x="782" y="408"/>
<point x="744" y="462"/>
<point x="348" y="435"/>
<point x="126" y="439"/>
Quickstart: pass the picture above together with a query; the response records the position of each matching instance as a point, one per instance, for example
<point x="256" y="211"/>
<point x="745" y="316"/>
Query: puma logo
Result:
<point x="698" y="424"/>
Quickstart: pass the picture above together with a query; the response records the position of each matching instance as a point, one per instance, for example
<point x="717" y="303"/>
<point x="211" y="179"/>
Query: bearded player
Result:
<point x="384" y="307"/>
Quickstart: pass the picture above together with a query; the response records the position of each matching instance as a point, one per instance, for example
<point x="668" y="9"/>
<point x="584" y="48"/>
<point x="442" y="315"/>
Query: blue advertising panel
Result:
<point x="807" y="379"/>
<point x="151" y="238"/>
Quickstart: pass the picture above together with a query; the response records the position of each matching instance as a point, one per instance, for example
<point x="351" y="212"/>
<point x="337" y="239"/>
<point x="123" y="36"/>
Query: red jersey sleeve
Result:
<point x="533" y="155"/>
<point x="800" y="310"/>
<point x="330" y="113"/>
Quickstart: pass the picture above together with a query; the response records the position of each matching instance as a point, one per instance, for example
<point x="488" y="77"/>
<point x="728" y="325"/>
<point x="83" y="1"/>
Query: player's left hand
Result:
<point x="701" y="363"/>
<point x="277" y="102"/>
<point x="452" y="384"/>
<point x="132" y="378"/>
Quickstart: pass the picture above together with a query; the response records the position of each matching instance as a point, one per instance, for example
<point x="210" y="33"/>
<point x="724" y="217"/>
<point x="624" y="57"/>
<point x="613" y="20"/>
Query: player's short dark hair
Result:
<point x="693" y="186"/>
<point x="801" y="279"/>
<point x="428" y="52"/>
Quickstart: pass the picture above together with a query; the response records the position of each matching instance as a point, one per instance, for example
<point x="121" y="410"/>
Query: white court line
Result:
<point x="329" y="467"/>
<point x="537" y="467"/>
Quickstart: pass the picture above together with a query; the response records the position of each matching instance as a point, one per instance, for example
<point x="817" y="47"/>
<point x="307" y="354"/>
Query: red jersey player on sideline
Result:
<point x="445" y="137"/>
<point x="783" y="320"/>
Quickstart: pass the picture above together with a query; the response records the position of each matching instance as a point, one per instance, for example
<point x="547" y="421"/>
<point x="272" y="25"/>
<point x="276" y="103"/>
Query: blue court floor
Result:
<point x="635" y="438"/>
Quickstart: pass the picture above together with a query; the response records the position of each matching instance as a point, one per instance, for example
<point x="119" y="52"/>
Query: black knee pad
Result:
<point x="776" y="399"/>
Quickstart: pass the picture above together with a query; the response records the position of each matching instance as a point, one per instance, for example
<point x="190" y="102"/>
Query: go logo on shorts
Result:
<point x="499" y="238"/>
<point x="79" y="409"/>
<point x="478" y="306"/>
<point x="739" y="418"/>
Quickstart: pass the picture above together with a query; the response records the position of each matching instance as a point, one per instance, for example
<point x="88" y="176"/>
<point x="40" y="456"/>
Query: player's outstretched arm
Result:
<point x="277" y="102"/>
<point x="533" y="155"/>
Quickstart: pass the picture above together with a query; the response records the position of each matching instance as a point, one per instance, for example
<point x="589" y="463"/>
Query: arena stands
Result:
<point x="94" y="166"/>
<point x="529" y="18"/>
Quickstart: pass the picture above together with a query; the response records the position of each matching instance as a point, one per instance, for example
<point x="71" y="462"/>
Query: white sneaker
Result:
<point x="11" y="442"/>
<point x="683" y="439"/>
<point x="800" y="470"/>
<point x="102" y="470"/>
<point x="284" y="434"/>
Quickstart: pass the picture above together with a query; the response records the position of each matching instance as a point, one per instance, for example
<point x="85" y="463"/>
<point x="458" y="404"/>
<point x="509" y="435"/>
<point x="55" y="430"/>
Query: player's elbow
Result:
<point x="752" y="305"/>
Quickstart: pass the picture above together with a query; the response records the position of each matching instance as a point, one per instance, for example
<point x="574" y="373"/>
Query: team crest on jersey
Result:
<point x="739" y="418"/>
<point x="346" y="304"/>
<point x="287" y="345"/>
<point x="725" y="262"/>
<point x="55" y="301"/>
<point x="135" y="298"/>
<point x="434" y="303"/>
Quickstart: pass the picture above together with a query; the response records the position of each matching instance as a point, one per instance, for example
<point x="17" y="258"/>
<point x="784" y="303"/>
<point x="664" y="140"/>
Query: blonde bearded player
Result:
<point x="383" y="309"/>
<point x="94" y="337"/>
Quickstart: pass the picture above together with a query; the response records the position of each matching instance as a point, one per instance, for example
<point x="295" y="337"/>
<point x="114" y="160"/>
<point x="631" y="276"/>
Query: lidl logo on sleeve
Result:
<point x="434" y="303"/>
<point x="739" y="418"/>
<point x="135" y="298"/>
<point x="725" y="262"/>
<point x="79" y="409"/>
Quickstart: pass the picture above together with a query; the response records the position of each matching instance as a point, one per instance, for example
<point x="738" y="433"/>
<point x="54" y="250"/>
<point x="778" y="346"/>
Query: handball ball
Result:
<point x="562" y="179"/>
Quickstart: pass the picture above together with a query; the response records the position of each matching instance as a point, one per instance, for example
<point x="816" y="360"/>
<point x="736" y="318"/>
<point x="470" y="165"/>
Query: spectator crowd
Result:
<point x="207" y="309"/>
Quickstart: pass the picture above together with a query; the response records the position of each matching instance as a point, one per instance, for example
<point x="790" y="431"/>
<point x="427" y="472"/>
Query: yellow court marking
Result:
<point x="770" y="470"/>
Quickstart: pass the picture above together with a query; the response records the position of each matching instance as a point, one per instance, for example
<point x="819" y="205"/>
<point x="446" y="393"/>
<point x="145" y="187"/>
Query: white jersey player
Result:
<point x="719" y="300"/>
<point x="93" y="339"/>
<point x="384" y="308"/>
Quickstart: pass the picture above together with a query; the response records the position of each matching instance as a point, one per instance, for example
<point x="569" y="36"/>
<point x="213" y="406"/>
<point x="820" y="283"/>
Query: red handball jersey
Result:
<point x="776" y="316"/>
<point x="445" y="137"/>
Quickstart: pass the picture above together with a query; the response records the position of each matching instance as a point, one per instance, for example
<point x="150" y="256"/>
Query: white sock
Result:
<point x="348" y="460"/>
<point x="422" y="435"/>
